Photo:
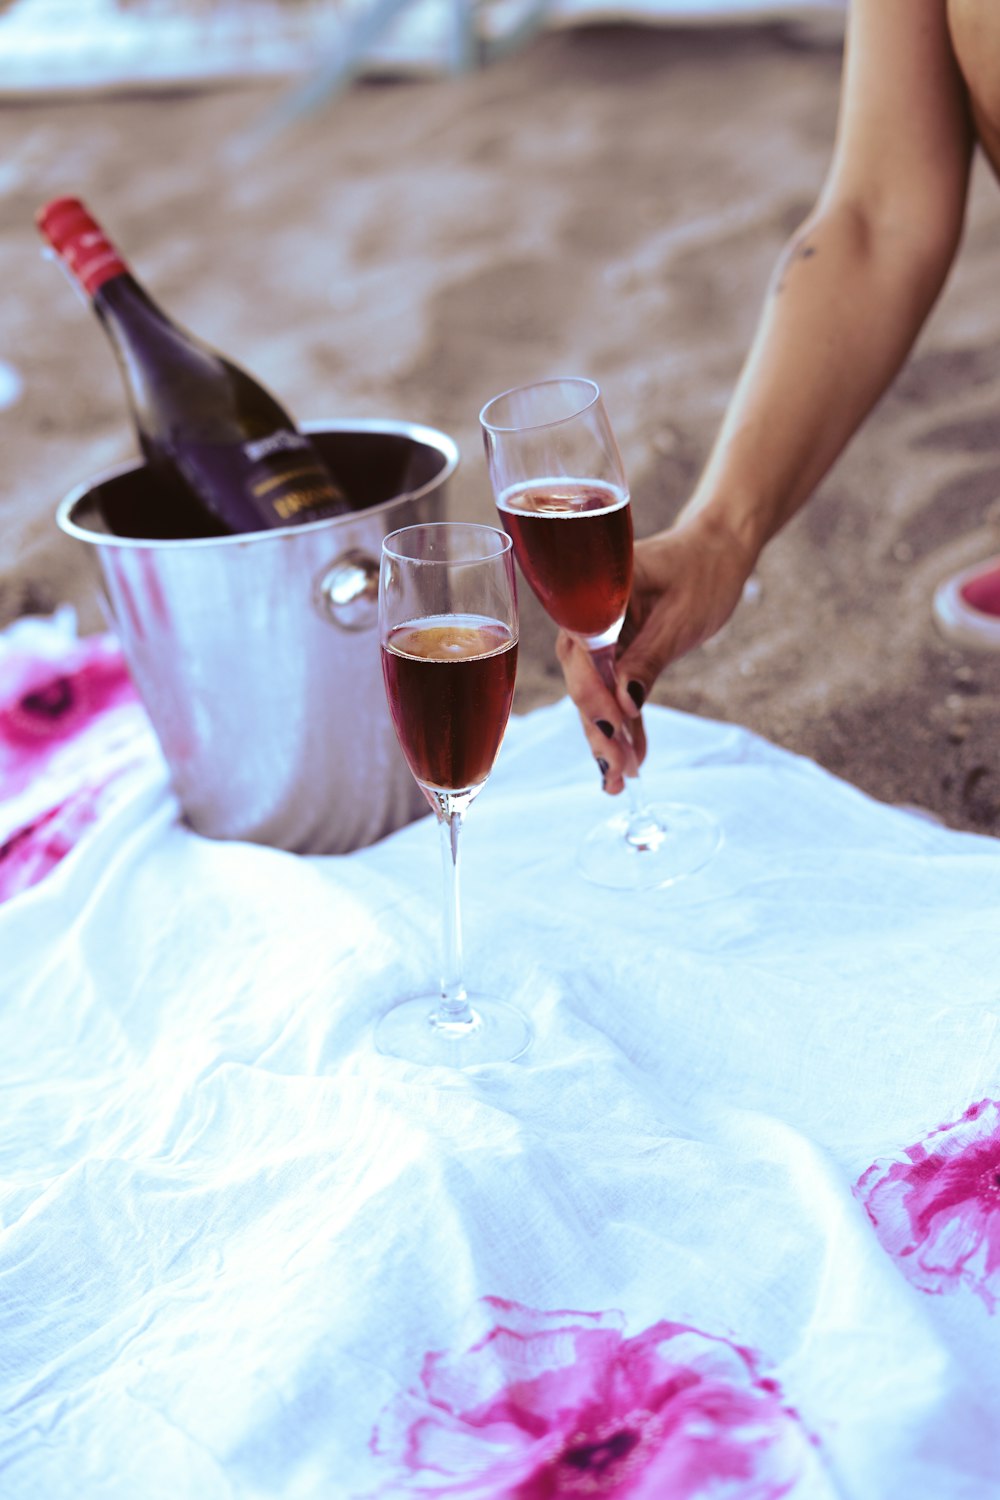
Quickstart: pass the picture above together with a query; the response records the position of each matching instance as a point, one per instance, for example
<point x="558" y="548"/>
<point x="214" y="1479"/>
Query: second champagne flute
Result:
<point x="448" y="635"/>
<point x="560" y="488"/>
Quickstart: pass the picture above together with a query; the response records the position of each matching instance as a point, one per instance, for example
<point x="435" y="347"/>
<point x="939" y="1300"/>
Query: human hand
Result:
<point x="686" y="583"/>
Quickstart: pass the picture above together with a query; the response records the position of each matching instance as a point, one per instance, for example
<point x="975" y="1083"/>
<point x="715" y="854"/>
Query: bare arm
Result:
<point x="848" y="297"/>
<point x="854" y="287"/>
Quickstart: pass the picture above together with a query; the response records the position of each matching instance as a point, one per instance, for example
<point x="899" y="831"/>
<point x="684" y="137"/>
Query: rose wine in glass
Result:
<point x="560" y="488"/>
<point x="448" y="636"/>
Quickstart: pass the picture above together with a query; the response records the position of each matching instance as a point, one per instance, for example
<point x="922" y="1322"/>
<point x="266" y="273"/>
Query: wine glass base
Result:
<point x="412" y="1030"/>
<point x="675" y="841"/>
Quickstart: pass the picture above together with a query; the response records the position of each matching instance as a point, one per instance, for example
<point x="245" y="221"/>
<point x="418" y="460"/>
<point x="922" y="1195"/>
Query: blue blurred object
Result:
<point x="467" y="46"/>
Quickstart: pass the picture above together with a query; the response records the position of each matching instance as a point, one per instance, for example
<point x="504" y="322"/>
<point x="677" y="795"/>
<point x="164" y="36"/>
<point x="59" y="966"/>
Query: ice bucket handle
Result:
<point x="346" y="594"/>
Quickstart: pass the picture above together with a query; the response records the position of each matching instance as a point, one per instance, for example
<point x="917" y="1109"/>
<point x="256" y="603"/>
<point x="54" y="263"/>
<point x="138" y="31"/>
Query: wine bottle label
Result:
<point x="272" y="481"/>
<point x="276" y="442"/>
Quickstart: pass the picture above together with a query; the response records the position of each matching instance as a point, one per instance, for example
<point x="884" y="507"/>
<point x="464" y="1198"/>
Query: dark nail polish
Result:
<point x="608" y="730"/>
<point x="602" y="765"/>
<point x="637" y="693"/>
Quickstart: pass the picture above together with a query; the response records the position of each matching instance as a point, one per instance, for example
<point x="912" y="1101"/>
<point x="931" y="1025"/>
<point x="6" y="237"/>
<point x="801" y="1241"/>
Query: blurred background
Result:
<point x="391" y="209"/>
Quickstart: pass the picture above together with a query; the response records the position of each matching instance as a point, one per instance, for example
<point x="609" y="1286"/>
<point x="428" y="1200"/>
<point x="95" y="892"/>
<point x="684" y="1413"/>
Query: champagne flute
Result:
<point x="561" y="491"/>
<point x="448" y="637"/>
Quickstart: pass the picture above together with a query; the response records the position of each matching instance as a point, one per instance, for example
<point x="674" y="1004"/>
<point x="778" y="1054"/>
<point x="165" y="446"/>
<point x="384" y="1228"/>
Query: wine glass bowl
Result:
<point x="561" y="493"/>
<point x="448" y="637"/>
<point x="581" y="575"/>
<point x="552" y="456"/>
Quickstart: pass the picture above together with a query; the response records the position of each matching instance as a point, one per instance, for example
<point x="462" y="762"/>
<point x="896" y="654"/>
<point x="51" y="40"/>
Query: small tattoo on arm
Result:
<point x="801" y="250"/>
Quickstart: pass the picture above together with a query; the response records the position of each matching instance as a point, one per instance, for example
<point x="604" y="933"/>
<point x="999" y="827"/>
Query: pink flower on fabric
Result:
<point x="553" y="1404"/>
<point x="36" y="847"/>
<point x="937" y="1211"/>
<point x="46" y="700"/>
<point x="72" y="732"/>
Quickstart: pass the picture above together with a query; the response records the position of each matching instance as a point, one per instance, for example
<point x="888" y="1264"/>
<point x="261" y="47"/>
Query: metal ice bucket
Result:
<point x="256" y="656"/>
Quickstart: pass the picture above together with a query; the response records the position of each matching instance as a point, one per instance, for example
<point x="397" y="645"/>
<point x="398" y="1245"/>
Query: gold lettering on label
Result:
<point x="286" y="477"/>
<point x="290" y="505"/>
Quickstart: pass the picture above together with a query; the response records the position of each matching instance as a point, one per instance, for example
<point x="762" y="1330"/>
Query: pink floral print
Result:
<point x="937" y="1210"/>
<point x="36" y="848"/>
<point x="50" y="695"/>
<point x="553" y="1404"/>
<point x="71" y="727"/>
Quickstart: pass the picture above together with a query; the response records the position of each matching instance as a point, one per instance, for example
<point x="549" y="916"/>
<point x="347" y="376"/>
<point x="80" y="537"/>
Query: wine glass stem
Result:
<point x="643" y="830"/>
<point x="454" y="1008"/>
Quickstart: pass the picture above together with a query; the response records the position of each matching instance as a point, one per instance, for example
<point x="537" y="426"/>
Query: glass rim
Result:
<point x="502" y="547"/>
<point x="537" y="385"/>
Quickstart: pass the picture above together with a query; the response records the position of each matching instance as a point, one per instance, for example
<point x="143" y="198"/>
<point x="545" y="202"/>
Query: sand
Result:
<point x="608" y="201"/>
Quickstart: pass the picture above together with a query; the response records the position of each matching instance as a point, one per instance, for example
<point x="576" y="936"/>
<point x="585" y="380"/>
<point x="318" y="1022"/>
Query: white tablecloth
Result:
<point x="730" y="1228"/>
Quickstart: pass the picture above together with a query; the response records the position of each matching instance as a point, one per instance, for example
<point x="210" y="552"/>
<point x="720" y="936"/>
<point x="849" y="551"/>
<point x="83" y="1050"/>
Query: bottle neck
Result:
<point x="89" y="256"/>
<point x="93" y="261"/>
<point x="121" y="302"/>
<point x="120" y="292"/>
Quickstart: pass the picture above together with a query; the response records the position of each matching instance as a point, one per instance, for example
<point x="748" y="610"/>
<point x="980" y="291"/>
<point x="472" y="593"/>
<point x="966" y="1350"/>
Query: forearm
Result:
<point x="843" y="310"/>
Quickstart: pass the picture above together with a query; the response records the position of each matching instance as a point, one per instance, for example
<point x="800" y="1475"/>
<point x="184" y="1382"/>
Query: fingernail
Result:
<point x="608" y="730"/>
<point x="602" y="766"/>
<point x="637" y="693"/>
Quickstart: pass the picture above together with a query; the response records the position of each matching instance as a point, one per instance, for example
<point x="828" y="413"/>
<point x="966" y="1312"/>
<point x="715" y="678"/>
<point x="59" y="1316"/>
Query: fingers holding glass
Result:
<point x="614" y="739"/>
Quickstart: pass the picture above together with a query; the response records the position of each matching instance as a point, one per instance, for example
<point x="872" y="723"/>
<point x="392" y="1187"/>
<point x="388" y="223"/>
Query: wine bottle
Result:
<point x="223" y="454"/>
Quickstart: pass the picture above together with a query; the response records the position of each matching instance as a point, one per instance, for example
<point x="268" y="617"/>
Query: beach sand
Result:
<point x="608" y="201"/>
